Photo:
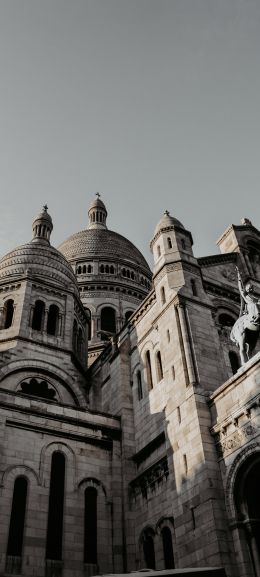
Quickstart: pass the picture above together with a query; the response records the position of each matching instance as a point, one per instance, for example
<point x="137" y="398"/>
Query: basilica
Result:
<point x="130" y="418"/>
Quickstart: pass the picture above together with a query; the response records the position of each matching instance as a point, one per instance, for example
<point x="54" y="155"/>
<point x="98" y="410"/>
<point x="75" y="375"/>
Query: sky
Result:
<point x="152" y="103"/>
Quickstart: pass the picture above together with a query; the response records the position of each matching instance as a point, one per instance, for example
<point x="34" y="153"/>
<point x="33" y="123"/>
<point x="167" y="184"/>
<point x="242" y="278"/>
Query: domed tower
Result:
<point x="175" y="267"/>
<point x="112" y="274"/>
<point x="42" y="321"/>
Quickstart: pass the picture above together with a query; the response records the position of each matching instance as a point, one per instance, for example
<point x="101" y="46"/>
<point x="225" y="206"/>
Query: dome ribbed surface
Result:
<point x="166" y="221"/>
<point x="41" y="260"/>
<point x="102" y="244"/>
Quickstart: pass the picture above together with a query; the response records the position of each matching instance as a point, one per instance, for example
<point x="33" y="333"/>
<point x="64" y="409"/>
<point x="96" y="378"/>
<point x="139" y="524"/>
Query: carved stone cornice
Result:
<point x="150" y="479"/>
<point x="217" y="259"/>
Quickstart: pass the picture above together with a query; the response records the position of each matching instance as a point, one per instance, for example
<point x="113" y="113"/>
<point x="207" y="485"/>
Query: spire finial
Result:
<point x="42" y="226"/>
<point x="166" y="212"/>
<point x="97" y="213"/>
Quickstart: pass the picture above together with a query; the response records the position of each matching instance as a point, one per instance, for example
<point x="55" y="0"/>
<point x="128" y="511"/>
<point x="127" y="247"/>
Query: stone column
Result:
<point x="45" y="321"/>
<point x="186" y="344"/>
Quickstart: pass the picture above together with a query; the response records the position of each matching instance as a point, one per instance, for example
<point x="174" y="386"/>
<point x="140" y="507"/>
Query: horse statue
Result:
<point x="247" y="327"/>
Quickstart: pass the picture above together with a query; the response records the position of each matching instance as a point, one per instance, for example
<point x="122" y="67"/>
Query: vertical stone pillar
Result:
<point x="186" y="344"/>
<point x="45" y="321"/>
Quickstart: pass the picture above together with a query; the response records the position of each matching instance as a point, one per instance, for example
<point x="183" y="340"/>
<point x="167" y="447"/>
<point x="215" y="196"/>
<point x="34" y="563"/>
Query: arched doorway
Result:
<point x="247" y="503"/>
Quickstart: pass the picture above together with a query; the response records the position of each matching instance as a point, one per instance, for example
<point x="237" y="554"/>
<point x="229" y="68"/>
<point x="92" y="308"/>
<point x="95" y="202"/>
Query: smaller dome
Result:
<point x="42" y="226"/>
<point x="97" y="203"/>
<point x="97" y="214"/>
<point x="166" y="221"/>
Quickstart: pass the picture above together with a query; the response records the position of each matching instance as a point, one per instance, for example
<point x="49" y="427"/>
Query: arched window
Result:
<point x="108" y="321"/>
<point x="234" y="361"/>
<point x="80" y="342"/>
<point x="89" y="268"/>
<point x="183" y="244"/>
<point x="8" y="313"/>
<point x="16" y="527"/>
<point x="169" y="242"/>
<point x="128" y="315"/>
<point x="148" y="550"/>
<point x="84" y="270"/>
<point x="90" y="526"/>
<point x="79" y="269"/>
<point x="89" y="323"/>
<point x="107" y="269"/>
<point x="38" y="316"/>
<point x="194" y="287"/>
<point x="53" y="320"/>
<point x="167" y="548"/>
<point x="159" y="368"/>
<point x="123" y="272"/>
<point x="148" y="370"/>
<point x="225" y="320"/>
<point x="128" y="273"/>
<point x="163" y="298"/>
<point x="75" y="335"/>
<point x="56" y="506"/>
<point x="112" y="270"/>
<point x="102" y="268"/>
<point x="158" y="250"/>
<point x="254" y="253"/>
<point x="139" y="385"/>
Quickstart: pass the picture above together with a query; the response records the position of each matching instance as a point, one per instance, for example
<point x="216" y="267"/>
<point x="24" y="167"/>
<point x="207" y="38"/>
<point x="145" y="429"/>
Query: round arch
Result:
<point x="48" y="369"/>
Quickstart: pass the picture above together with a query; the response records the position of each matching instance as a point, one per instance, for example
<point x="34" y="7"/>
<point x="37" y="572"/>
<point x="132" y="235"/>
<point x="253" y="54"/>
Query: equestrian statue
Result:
<point x="247" y="327"/>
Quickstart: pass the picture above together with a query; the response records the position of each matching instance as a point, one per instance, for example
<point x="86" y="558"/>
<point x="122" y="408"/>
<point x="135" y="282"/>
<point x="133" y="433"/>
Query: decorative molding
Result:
<point x="227" y="445"/>
<point x="211" y="260"/>
<point x="222" y="291"/>
<point x="103" y="442"/>
<point x="149" y="479"/>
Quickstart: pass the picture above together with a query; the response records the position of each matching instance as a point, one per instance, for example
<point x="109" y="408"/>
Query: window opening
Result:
<point x="8" y="313"/>
<point x="53" y="318"/>
<point x="56" y="506"/>
<point x="149" y="370"/>
<point x="163" y="298"/>
<point x="108" y="321"/>
<point x="167" y="548"/>
<point x="17" y="522"/>
<point x="159" y="366"/>
<point x="139" y="385"/>
<point x="90" y="526"/>
<point x="194" y="287"/>
<point x="149" y="554"/>
<point x="169" y="242"/>
<point x="38" y="316"/>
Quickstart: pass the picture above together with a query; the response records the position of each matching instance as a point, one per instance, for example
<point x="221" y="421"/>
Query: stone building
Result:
<point x="148" y="454"/>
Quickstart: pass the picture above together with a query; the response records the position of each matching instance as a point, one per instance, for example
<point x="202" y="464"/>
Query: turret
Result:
<point x="42" y="226"/>
<point x="97" y="213"/>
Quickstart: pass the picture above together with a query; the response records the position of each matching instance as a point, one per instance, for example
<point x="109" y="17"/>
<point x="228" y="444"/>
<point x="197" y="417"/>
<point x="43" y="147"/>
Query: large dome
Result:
<point x="112" y="275"/>
<point x="102" y="244"/>
<point x="39" y="259"/>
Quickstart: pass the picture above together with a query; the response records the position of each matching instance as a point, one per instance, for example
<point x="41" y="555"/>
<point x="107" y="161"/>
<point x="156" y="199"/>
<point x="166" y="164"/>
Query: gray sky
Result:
<point x="153" y="103"/>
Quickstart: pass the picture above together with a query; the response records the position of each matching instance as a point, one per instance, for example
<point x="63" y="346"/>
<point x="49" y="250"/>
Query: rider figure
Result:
<point x="246" y="329"/>
<point x="252" y="303"/>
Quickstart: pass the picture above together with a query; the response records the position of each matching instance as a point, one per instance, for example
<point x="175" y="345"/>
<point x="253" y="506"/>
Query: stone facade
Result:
<point x="151" y="456"/>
